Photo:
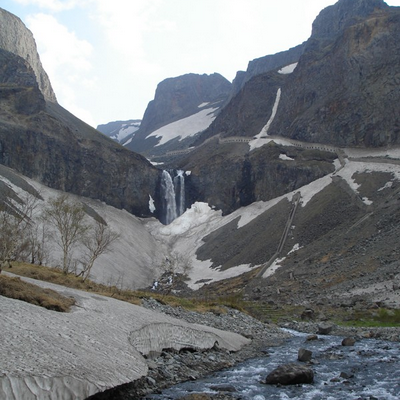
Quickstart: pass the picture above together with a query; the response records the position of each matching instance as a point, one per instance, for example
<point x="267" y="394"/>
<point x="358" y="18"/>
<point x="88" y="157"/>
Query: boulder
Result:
<point x="349" y="341"/>
<point x="290" y="374"/>
<point x="310" y="338"/>
<point x="304" y="355"/>
<point x="325" y="329"/>
<point x="308" y="314"/>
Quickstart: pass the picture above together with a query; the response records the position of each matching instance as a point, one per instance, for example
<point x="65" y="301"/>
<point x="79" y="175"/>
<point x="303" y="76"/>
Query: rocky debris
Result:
<point x="304" y="355"/>
<point x="290" y="374"/>
<point x="227" y="319"/>
<point x="390" y="334"/>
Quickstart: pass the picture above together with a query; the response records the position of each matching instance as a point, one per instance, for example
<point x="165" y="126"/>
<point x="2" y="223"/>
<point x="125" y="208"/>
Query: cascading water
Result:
<point x="173" y="193"/>
<point x="179" y="183"/>
<point x="168" y="191"/>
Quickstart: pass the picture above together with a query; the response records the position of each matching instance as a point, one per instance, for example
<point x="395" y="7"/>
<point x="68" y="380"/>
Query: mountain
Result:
<point x="120" y="130"/>
<point x="43" y="141"/>
<point x="17" y="39"/>
<point x="182" y="108"/>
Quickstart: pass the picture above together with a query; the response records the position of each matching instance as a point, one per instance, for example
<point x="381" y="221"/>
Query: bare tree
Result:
<point x="69" y="220"/>
<point x="16" y="224"/>
<point x="98" y="242"/>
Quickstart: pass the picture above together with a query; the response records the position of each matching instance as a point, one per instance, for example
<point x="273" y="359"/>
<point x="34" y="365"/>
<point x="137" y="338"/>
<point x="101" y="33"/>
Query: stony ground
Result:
<point x="172" y="367"/>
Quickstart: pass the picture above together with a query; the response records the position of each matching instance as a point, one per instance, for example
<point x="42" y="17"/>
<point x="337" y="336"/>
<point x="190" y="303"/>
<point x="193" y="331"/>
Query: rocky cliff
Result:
<point x="177" y="99"/>
<point x="45" y="142"/>
<point x="17" y="39"/>
<point x="345" y="90"/>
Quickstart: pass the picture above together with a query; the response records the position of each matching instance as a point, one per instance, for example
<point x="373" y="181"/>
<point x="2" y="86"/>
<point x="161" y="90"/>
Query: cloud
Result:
<point x="127" y="24"/>
<point x="65" y="57"/>
<point x="51" y="5"/>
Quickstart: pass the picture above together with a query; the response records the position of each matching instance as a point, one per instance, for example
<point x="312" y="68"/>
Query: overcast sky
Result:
<point x="106" y="57"/>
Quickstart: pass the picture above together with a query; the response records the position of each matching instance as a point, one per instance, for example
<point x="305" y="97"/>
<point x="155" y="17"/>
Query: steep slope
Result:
<point x="43" y="141"/>
<point x="340" y="247"/>
<point x="185" y="105"/>
<point x="345" y="90"/>
<point x="17" y="39"/>
<point x="133" y="260"/>
<point x="120" y="130"/>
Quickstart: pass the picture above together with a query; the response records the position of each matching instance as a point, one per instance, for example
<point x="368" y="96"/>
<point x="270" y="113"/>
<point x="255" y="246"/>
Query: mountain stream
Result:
<point x="369" y="370"/>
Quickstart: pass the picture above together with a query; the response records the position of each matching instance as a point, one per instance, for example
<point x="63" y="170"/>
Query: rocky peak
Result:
<point x="335" y="18"/>
<point x="16" y="38"/>
<point x="176" y="98"/>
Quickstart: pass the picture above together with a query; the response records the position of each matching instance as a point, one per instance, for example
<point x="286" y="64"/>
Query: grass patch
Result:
<point x="56" y="276"/>
<point x="381" y="318"/>
<point x="15" y="288"/>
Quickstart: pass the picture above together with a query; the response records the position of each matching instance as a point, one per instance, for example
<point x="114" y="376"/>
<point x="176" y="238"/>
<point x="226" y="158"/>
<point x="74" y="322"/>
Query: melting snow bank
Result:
<point x="100" y="345"/>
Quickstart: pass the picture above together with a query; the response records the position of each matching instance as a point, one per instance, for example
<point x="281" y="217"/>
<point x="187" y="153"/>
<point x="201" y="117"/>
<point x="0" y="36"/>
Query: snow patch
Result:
<point x="185" y="127"/>
<point x="205" y="274"/>
<point x="388" y="185"/>
<point x="261" y="138"/>
<point x="285" y="157"/>
<point x="274" y="267"/>
<point x="295" y="248"/>
<point x="152" y="207"/>
<point x="288" y="69"/>
<point x="127" y="142"/>
<point x="203" y="105"/>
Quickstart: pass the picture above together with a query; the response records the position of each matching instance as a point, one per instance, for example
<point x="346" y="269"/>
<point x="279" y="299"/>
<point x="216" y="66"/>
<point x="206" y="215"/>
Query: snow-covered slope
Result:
<point x="119" y="130"/>
<point x="135" y="258"/>
<point x="186" y="127"/>
<point x="46" y="355"/>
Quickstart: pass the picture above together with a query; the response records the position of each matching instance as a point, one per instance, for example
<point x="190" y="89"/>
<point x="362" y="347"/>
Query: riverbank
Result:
<point x="172" y="367"/>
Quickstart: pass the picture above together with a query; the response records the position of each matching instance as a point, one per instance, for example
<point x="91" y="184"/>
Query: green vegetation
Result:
<point x="376" y="318"/>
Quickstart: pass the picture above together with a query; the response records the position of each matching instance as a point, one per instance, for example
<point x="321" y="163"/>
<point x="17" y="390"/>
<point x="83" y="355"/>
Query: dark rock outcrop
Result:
<point x="227" y="176"/>
<point x="178" y="98"/>
<point x="345" y="90"/>
<point x="119" y="130"/>
<point x="290" y="374"/>
<point x="45" y="142"/>
<point x="266" y="64"/>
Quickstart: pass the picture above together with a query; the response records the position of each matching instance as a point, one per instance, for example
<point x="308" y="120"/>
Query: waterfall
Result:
<point x="168" y="189"/>
<point x="173" y="193"/>
<point x="179" y="183"/>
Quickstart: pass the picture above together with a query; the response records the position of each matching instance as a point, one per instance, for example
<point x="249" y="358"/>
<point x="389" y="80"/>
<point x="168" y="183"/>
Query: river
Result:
<point x="369" y="369"/>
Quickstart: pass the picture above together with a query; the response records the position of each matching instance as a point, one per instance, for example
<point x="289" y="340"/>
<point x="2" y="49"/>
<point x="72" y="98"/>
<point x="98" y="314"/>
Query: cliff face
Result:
<point x="17" y="39"/>
<point x="346" y="92"/>
<point x="45" y="142"/>
<point x="175" y="100"/>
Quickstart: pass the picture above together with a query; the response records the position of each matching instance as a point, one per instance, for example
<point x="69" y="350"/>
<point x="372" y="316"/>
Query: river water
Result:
<point x="372" y="368"/>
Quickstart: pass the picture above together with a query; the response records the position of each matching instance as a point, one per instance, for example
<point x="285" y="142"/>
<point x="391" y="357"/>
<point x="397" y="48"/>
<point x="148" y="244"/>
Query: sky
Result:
<point x="105" y="58"/>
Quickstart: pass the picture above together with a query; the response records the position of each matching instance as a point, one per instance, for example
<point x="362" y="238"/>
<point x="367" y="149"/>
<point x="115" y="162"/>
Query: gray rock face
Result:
<point x="345" y="89"/>
<point x="17" y="39"/>
<point x="344" y="13"/>
<point x="178" y="98"/>
<point x="45" y="142"/>
<point x="266" y="64"/>
<point x="290" y="374"/>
